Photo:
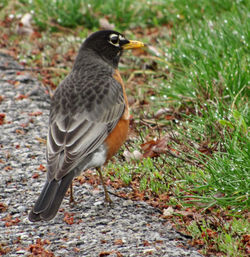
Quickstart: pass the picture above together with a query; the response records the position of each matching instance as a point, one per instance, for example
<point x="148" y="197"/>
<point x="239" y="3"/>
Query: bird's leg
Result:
<point x="107" y="198"/>
<point x="71" y="197"/>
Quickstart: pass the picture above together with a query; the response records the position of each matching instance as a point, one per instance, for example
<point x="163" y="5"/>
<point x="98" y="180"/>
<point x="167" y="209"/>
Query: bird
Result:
<point x="88" y="121"/>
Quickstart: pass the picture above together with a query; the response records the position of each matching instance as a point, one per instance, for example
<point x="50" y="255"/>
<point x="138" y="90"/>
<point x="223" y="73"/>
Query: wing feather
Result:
<point x="74" y="135"/>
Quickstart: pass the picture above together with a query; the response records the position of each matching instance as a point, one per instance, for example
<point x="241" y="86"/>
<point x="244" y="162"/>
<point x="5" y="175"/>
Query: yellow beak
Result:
<point x="132" y="45"/>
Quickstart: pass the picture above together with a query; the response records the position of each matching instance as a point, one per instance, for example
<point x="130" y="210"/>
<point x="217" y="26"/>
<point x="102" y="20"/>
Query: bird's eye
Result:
<point x="114" y="39"/>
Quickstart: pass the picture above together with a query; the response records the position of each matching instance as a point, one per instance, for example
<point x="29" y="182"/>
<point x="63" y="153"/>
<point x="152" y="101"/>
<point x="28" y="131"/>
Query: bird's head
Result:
<point x="109" y="45"/>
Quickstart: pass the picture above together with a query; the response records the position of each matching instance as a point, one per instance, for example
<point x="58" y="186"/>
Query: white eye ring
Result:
<point x="121" y="37"/>
<point x="114" y="39"/>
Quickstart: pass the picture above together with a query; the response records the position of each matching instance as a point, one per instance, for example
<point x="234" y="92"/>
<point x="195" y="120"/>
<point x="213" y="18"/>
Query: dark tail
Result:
<point x="50" y="199"/>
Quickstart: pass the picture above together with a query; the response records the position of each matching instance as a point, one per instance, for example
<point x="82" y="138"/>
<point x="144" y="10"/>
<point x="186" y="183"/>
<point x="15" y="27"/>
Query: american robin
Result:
<point x="89" y="118"/>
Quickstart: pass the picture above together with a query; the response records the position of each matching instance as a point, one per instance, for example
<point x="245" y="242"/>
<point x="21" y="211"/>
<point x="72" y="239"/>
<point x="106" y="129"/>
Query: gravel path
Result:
<point x="127" y="229"/>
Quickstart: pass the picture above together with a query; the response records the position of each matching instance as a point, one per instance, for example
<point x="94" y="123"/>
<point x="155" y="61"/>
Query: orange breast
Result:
<point x="117" y="137"/>
<point x="119" y="134"/>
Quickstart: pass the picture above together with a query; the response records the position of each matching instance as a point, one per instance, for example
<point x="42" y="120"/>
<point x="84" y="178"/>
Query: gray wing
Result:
<point x="80" y="119"/>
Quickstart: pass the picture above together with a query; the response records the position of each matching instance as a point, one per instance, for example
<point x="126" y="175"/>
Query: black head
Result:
<point x="109" y="45"/>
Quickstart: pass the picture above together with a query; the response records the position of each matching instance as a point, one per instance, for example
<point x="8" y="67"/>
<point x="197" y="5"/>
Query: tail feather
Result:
<point x="46" y="196"/>
<point x="50" y="199"/>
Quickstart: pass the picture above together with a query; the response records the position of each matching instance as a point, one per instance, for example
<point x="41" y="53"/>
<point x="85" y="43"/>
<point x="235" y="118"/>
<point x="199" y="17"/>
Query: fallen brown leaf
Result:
<point x="105" y="253"/>
<point x="37" y="113"/>
<point x="3" y="207"/>
<point x="21" y="97"/>
<point x="68" y="218"/>
<point x="38" y="249"/>
<point x="154" y="148"/>
<point x="2" y="118"/>
<point x="42" y="168"/>
<point x="35" y="175"/>
<point x="118" y="242"/>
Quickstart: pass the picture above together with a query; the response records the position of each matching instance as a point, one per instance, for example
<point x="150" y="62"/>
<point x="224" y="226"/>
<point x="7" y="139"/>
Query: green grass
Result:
<point x="72" y="13"/>
<point x="3" y="4"/>
<point x="123" y="14"/>
<point x="151" y="177"/>
<point x="208" y="73"/>
<point x="225" y="239"/>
